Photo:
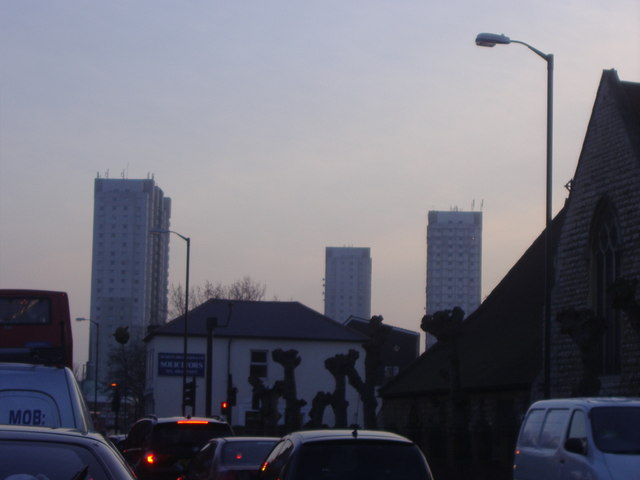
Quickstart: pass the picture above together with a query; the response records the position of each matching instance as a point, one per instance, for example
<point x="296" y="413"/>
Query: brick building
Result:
<point x="595" y="345"/>
<point x="463" y="399"/>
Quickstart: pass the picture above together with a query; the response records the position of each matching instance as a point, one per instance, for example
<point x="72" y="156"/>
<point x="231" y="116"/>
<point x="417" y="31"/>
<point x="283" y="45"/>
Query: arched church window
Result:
<point x="605" y="269"/>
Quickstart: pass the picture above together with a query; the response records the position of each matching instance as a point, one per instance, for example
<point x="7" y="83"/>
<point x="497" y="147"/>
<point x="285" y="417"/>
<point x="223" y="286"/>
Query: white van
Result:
<point x="43" y="396"/>
<point x="590" y="438"/>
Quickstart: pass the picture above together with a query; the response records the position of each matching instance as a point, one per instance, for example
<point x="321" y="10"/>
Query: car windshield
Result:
<point x="176" y="434"/>
<point x="48" y="461"/>
<point x="615" y="429"/>
<point x="372" y="460"/>
<point x="246" y="452"/>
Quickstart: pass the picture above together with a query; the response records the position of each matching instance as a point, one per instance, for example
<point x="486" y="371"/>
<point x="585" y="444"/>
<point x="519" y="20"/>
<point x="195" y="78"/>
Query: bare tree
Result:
<point x="244" y="289"/>
<point x="127" y="368"/>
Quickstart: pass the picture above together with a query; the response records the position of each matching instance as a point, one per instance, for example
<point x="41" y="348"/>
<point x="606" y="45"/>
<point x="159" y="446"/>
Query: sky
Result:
<point x="281" y="127"/>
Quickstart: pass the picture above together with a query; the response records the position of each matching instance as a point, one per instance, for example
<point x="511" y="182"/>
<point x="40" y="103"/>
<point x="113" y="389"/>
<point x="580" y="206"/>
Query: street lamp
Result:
<point x="186" y="312"/>
<point x="490" y="40"/>
<point x="97" y="360"/>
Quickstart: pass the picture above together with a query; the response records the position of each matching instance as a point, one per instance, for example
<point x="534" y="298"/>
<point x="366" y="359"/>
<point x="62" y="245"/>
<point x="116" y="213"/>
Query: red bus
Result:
<point x="35" y="327"/>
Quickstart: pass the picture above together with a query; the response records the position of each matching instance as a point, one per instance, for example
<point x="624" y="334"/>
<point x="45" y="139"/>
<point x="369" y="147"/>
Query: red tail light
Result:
<point x="150" y="458"/>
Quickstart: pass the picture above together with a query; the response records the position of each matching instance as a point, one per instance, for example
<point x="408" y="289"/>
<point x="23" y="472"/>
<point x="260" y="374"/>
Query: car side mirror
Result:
<point x="576" y="445"/>
<point x="132" y="455"/>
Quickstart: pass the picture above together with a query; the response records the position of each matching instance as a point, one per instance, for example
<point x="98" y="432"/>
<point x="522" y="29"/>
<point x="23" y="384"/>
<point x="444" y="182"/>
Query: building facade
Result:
<point x="129" y="273"/>
<point x="266" y="353"/>
<point x="347" y="283"/>
<point x="454" y="261"/>
<point x="471" y="425"/>
<point x="595" y="337"/>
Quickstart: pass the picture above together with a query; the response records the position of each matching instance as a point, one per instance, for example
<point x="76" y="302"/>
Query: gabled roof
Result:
<point x="362" y="325"/>
<point x="501" y="342"/>
<point x="627" y="101"/>
<point x="257" y="319"/>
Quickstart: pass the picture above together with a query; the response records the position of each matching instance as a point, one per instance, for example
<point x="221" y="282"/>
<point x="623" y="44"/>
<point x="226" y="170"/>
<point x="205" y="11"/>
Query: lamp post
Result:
<point x="186" y="313"/>
<point x="490" y="40"/>
<point x="97" y="360"/>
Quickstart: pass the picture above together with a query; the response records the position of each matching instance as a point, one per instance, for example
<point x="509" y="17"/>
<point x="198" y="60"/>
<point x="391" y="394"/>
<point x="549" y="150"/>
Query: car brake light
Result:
<point x="150" y="458"/>
<point x="200" y="422"/>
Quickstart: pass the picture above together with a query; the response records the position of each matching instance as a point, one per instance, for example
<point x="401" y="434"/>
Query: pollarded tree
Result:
<point x="446" y="326"/>
<point x="290" y="359"/>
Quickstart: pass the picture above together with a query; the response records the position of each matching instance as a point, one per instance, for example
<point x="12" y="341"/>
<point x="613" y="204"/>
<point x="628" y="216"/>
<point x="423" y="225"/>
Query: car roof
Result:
<point x="48" y="434"/>
<point x="305" y="436"/>
<point x="245" y="438"/>
<point x="588" y="402"/>
<point x="29" y="368"/>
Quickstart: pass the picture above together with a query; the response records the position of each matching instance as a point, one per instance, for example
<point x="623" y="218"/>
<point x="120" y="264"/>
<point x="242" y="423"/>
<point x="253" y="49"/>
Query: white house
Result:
<point x="244" y="340"/>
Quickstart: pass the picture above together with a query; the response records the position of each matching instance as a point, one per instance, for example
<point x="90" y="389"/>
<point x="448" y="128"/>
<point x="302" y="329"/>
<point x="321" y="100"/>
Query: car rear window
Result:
<point x="28" y="408"/>
<point x="47" y="461"/>
<point x="176" y="434"/>
<point x="245" y="453"/>
<point x="372" y="460"/>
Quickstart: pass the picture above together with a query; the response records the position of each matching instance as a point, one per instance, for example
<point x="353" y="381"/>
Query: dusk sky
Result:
<point x="281" y="127"/>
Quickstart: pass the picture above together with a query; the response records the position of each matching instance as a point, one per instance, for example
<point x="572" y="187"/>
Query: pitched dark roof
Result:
<point x="501" y="342"/>
<point x="257" y="319"/>
<point x="627" y="96"/>
<point x="631" y="102"/>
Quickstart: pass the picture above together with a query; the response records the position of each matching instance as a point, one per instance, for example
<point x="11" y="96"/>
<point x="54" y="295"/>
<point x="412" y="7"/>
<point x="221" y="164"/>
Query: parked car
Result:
<point x="161" y="448"/>
<point x="39" y="453"/>
<point x="345" y="455"/>
<point x="39" y="395"/>
<point x="595" y="438"/>
<point x="230" y="458"/>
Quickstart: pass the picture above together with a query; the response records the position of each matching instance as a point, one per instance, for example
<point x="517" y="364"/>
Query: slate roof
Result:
<point x="401" y="347"/>
<point x="627" y="96"/>
<point x="258" y="319"/>
<point x="501" y="342"/>
<point x="630" y="103"/>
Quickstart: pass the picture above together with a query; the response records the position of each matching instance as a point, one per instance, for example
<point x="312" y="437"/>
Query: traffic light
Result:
<point x="115" y="398"/>
<point x="232" y="395"/>
<point x="189" y="395"/>
<point x="225" y="408"/>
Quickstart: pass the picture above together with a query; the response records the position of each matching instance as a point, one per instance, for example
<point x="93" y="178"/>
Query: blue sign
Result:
<point x="171" y="364"/>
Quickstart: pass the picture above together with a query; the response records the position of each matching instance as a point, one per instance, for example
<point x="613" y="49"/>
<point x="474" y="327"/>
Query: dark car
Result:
<point x="161" y="448"/>
<point x="230" y="458"/>
<point x="40" y="453"/>
<point x="345" y="455"/>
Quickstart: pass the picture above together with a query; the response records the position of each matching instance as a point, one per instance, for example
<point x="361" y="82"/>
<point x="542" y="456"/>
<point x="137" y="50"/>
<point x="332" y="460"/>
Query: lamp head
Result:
<point x="491" y="39"/>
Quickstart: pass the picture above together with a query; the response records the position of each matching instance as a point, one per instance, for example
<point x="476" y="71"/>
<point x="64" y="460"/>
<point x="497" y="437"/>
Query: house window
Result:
<point x="605" y="269"/>
<point x="258" y="367"/>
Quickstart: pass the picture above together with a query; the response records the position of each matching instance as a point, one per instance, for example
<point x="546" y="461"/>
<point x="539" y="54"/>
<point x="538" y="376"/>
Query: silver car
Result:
<point x="42" y="396"/>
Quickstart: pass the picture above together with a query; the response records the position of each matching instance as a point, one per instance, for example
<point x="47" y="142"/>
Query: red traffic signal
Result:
<point x="224" y="407"/>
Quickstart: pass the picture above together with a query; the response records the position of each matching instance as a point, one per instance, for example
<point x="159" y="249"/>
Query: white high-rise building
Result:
<point x="130" y="266"/>
<point x="454" y="261"/>
<point x="347" y="283"/>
